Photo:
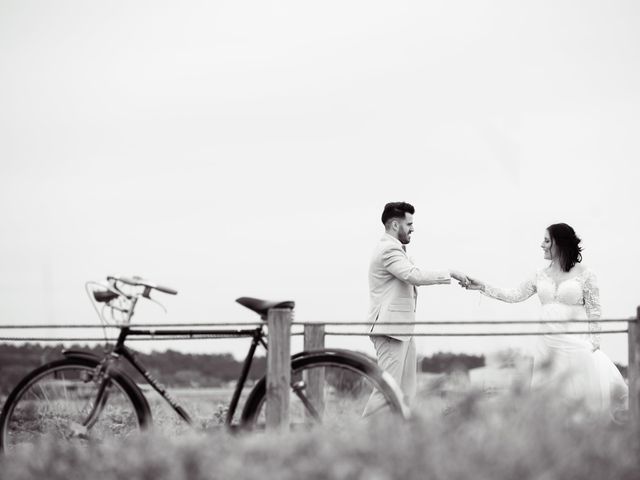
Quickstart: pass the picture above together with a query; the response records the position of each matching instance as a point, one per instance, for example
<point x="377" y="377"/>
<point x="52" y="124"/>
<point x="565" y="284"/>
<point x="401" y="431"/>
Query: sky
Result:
<point x="247" y="148"/>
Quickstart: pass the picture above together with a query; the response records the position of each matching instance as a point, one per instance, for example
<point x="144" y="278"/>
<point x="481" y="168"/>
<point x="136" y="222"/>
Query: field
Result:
<point x="479" y="433"/>
<point x="207" y="406"/>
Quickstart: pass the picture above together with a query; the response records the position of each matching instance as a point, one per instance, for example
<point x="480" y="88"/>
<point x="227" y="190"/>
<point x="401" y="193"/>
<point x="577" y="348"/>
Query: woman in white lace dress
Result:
<point x="572" y="364"/>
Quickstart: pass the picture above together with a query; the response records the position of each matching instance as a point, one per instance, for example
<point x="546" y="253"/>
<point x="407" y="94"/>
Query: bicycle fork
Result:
<point x="102" y="377"/>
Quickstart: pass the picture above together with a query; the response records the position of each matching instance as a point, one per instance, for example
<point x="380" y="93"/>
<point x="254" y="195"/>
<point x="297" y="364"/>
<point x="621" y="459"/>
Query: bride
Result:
<point x="567" y="290"/>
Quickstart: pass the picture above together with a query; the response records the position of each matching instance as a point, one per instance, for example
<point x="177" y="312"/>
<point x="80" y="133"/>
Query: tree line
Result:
<point x="172" y="368"/>
<point x="178" y="369"/>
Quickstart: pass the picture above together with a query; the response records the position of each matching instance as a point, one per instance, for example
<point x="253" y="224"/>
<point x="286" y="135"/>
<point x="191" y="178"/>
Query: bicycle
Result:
<point x="83" y="396"/>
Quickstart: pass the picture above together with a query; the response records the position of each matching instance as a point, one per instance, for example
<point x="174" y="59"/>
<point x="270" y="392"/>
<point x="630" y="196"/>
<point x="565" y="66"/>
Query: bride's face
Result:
<point x="548" y="247"/>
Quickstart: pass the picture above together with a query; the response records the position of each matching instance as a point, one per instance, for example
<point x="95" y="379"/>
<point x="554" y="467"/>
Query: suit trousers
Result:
<point x="398" y="358"/>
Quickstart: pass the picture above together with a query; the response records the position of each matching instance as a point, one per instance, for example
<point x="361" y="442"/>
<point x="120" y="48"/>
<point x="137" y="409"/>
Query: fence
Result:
<point x="280" y="323"/>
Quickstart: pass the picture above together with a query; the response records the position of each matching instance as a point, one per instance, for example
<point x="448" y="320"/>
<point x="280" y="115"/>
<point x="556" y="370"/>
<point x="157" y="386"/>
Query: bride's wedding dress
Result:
<point x="572" y="364"/>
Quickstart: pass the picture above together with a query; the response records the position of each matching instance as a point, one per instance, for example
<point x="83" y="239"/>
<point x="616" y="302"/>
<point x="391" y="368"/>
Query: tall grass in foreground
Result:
<point x="511" y="436"/>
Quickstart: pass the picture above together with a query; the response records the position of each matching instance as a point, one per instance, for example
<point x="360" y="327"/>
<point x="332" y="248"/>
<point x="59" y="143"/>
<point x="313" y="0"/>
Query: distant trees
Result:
<point x="174" y="369"/>
<point x="623" y="369"/>
<point x="442" y="362"/>
<point x="177" y="369"/>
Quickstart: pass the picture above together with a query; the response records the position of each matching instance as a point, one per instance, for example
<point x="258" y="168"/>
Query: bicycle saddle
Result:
<point x="262" y="307"/>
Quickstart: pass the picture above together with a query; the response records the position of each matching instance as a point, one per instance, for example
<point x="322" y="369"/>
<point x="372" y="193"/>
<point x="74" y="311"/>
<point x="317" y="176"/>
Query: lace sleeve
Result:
<point x="591" y="296"/>
<point x="513" y="295"/>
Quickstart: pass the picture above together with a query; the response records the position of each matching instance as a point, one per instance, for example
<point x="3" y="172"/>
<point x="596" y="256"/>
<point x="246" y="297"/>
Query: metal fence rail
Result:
<point x="187" y="335"/>
<point x="334" y="323"/>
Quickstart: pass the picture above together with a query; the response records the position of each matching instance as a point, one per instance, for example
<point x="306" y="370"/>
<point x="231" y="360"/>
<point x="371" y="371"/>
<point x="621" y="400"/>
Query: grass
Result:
<point x="206" y="406"/>
<point x="512" y="435"/>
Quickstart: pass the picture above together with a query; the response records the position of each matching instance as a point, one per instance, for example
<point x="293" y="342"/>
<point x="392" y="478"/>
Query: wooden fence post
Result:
<point x="633" y="372"/>
<point x="314" y="378"/>
<point x="278" y="369"/>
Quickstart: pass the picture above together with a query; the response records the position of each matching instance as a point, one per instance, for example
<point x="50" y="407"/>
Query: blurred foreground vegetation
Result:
<point x="511" y="436"/>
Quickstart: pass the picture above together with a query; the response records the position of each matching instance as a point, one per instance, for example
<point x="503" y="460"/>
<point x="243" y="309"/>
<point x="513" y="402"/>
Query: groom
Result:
<point x="393" y="282"/>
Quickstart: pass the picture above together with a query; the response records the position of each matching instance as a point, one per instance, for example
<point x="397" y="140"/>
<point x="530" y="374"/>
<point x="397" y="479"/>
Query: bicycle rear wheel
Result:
<point x="55" y="402"/>
<point x="332" y="388"/>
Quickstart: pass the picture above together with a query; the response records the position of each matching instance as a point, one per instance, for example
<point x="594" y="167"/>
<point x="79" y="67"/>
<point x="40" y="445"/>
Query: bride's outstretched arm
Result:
<point x="591" y="295"/>
<point x="512" y="295"/>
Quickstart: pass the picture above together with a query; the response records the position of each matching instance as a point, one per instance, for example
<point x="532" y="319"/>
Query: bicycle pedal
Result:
<point x="79" y="431"/>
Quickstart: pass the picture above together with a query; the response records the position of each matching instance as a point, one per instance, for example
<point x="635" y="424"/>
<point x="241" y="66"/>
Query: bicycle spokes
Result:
<point x="67" y="403"/>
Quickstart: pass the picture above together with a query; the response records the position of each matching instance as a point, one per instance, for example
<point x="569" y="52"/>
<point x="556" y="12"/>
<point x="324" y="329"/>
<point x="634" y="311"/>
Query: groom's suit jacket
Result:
<point x="393" y="279"/>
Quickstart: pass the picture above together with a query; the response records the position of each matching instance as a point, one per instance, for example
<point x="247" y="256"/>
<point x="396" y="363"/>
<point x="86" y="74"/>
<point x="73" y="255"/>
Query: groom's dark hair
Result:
<point x="567" y="245"/>
<point x="396" y="210"/>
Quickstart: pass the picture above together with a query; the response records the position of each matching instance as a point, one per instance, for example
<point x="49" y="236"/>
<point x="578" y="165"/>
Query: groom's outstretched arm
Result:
<point x="396" y="262"/>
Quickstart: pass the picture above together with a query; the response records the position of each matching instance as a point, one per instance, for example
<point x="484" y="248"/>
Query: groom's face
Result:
<point x="405" y="228"/>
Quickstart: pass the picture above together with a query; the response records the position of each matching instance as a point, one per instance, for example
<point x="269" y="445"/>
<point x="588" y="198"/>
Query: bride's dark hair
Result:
<point x="567" y="245"/>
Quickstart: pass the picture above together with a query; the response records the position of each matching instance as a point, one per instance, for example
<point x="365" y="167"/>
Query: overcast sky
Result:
<point x="247" y="148"/>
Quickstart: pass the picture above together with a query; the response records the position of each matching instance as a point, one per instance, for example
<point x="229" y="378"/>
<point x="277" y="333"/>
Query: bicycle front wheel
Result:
<point x="334" y="388"/>
<point x="66" y="401"/>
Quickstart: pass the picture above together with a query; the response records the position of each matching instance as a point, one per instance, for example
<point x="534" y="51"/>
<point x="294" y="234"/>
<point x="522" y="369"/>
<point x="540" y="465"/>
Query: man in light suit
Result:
<point x="393" y="282"/>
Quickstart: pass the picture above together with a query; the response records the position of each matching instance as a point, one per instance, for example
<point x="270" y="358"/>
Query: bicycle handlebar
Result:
<point x="122" y="304"/>
<point x="141" y="282"/>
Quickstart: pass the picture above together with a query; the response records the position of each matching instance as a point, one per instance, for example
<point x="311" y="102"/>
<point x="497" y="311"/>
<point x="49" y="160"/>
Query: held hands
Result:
<point x="475" y="284"/>
<point x="467" y="282"/>
<point x="462" y="279"/>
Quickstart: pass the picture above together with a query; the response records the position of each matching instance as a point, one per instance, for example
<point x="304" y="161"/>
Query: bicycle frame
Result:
<point x="120" y="350"/>
<point x="102" y="376"/>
